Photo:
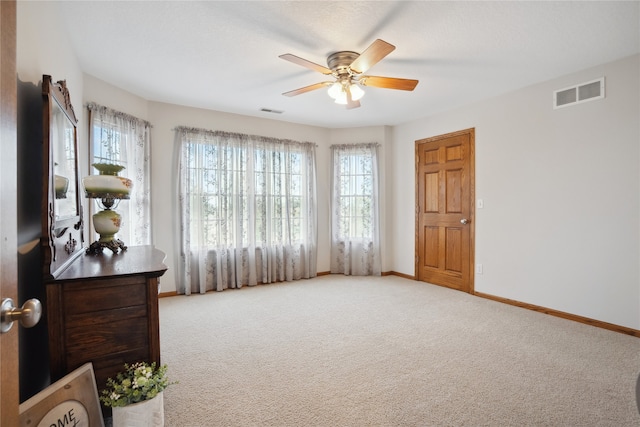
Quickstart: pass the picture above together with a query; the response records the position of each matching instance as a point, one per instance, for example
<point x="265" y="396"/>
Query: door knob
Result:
<point x="464" y="221"/>
<point x="28" y="315"/>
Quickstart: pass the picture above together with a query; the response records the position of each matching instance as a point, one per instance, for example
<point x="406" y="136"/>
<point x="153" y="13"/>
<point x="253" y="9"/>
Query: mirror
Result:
<point x="62" y="230"/>
<point x="64" y="163"/>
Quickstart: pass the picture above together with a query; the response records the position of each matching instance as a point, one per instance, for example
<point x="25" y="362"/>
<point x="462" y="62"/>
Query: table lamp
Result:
<point x="108" y="188"/>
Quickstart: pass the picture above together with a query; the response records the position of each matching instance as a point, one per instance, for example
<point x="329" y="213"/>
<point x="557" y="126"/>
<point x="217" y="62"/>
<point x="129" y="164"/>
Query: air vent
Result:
<point x="589" y="91"/>
<point x="269" y="110"/>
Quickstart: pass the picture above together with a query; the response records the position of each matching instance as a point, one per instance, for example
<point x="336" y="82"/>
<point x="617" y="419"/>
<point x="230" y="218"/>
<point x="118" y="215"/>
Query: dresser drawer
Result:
<point x="78" y="298"/>
<point x="83" y="343"/>
<point x="96" y="318"/>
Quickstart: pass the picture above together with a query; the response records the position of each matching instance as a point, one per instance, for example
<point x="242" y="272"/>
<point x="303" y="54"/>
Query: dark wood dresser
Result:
<point x="104" y="309"/>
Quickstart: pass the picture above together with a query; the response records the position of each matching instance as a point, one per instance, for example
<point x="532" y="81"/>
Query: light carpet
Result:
<point x="387" y="351"/>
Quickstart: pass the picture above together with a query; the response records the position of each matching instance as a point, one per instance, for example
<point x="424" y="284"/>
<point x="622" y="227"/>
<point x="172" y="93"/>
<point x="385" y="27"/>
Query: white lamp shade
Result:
<point x="356" y="92"/>
<point x="338" y="91"/>
<point x="107" y="184"/>
<point x="334" y="90"/>
<point x="61" y="185"/>
<point x="341" y="98"/>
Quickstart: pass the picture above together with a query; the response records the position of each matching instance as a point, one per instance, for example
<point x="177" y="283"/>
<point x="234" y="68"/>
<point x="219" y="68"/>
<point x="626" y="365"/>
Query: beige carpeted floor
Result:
<point x="363" y="351"/>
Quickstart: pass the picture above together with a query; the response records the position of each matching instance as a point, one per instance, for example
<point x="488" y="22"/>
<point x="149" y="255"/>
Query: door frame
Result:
<point x="472" y="202"/>
<point x="9" y="379"/>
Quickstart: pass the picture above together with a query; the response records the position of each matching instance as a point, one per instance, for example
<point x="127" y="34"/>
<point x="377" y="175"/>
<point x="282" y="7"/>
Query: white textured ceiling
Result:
<point x="223" y="55"/>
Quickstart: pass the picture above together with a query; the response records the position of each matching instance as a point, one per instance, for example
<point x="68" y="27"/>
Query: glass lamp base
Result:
<point x="114" y="245"/>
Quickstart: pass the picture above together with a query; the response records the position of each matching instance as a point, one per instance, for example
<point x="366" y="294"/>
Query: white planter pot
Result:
<point x="149" y="413"/>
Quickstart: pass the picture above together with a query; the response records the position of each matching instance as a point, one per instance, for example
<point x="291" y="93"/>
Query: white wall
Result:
<point x="43" y="48"/>
<point x="103" y="93"/>
<point x="561" y="190"/>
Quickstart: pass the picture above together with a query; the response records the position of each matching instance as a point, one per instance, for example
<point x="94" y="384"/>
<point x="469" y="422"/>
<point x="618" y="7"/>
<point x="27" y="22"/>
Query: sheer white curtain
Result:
<point x="247" y="210"/>
<point x="355" y="240"/>
<point x="120" y="138"/>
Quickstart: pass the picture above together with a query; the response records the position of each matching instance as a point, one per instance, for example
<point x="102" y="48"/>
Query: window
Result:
<point x="247" y="209"/>
<point x="119" y="138"/>
<point x="106" y="142"/>
<point x="355" y="196"/>
<point x="279" y="200"/>
<point x="354" y="223"/>
<point x="224" y="190"/>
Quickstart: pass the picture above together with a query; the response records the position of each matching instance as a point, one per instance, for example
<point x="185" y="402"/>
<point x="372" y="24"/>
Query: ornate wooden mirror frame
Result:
<point x="62" y="226"/>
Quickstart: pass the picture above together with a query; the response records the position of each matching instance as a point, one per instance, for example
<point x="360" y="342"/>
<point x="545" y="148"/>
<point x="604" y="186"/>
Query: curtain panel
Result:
<point x="246" y="208"/>
<point x="355" y="236"/>
<point x="119" y="138"/>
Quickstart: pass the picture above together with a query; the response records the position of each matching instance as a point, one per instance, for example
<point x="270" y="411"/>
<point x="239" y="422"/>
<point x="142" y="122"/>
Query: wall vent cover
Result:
<point x="589" y="91"/>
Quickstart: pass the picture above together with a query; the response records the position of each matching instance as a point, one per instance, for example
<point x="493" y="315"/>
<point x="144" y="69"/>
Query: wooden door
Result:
<point x="9" y="390"/>
<point x="445" y="210"/>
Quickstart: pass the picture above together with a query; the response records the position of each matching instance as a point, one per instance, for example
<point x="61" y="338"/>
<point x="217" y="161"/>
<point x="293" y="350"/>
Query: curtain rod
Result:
<point x="240" y="135"/>
<point x="92" y="106"/>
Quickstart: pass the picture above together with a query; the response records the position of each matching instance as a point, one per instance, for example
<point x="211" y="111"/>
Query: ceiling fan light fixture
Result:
<point x="334" y="90"/>
<point x="338" y="91"/>
<point x="341" y="98"/>
<point x="356" y="92"/>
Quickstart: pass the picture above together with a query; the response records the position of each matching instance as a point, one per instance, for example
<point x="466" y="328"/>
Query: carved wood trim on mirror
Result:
<point x="62" y="225"/>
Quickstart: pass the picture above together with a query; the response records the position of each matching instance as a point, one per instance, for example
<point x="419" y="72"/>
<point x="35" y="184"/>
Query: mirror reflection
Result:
<point x="62" y="144"/>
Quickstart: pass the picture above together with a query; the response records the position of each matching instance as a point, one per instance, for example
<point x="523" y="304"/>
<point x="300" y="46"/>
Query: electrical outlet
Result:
<point x="478" y="268"/>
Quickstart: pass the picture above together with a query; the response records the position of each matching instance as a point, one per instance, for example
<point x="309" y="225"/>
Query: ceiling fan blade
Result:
<point x="307" y="89"/>
<point x="388" y="82"/>
<point x="371" y="56"/>
<point x="308" y="64"/>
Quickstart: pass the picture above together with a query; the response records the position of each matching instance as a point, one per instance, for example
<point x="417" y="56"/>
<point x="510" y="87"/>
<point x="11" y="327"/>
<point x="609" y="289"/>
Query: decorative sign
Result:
<point x="71" y="401"/>
<point x="68" y="413"/>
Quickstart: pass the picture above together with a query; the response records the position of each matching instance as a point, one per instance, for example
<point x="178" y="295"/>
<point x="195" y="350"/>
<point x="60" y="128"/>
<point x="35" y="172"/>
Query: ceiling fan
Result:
<point x="347" y="68"/>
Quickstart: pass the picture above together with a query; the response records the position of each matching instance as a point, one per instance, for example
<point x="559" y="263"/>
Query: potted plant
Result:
<point x="136" y="395"/>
